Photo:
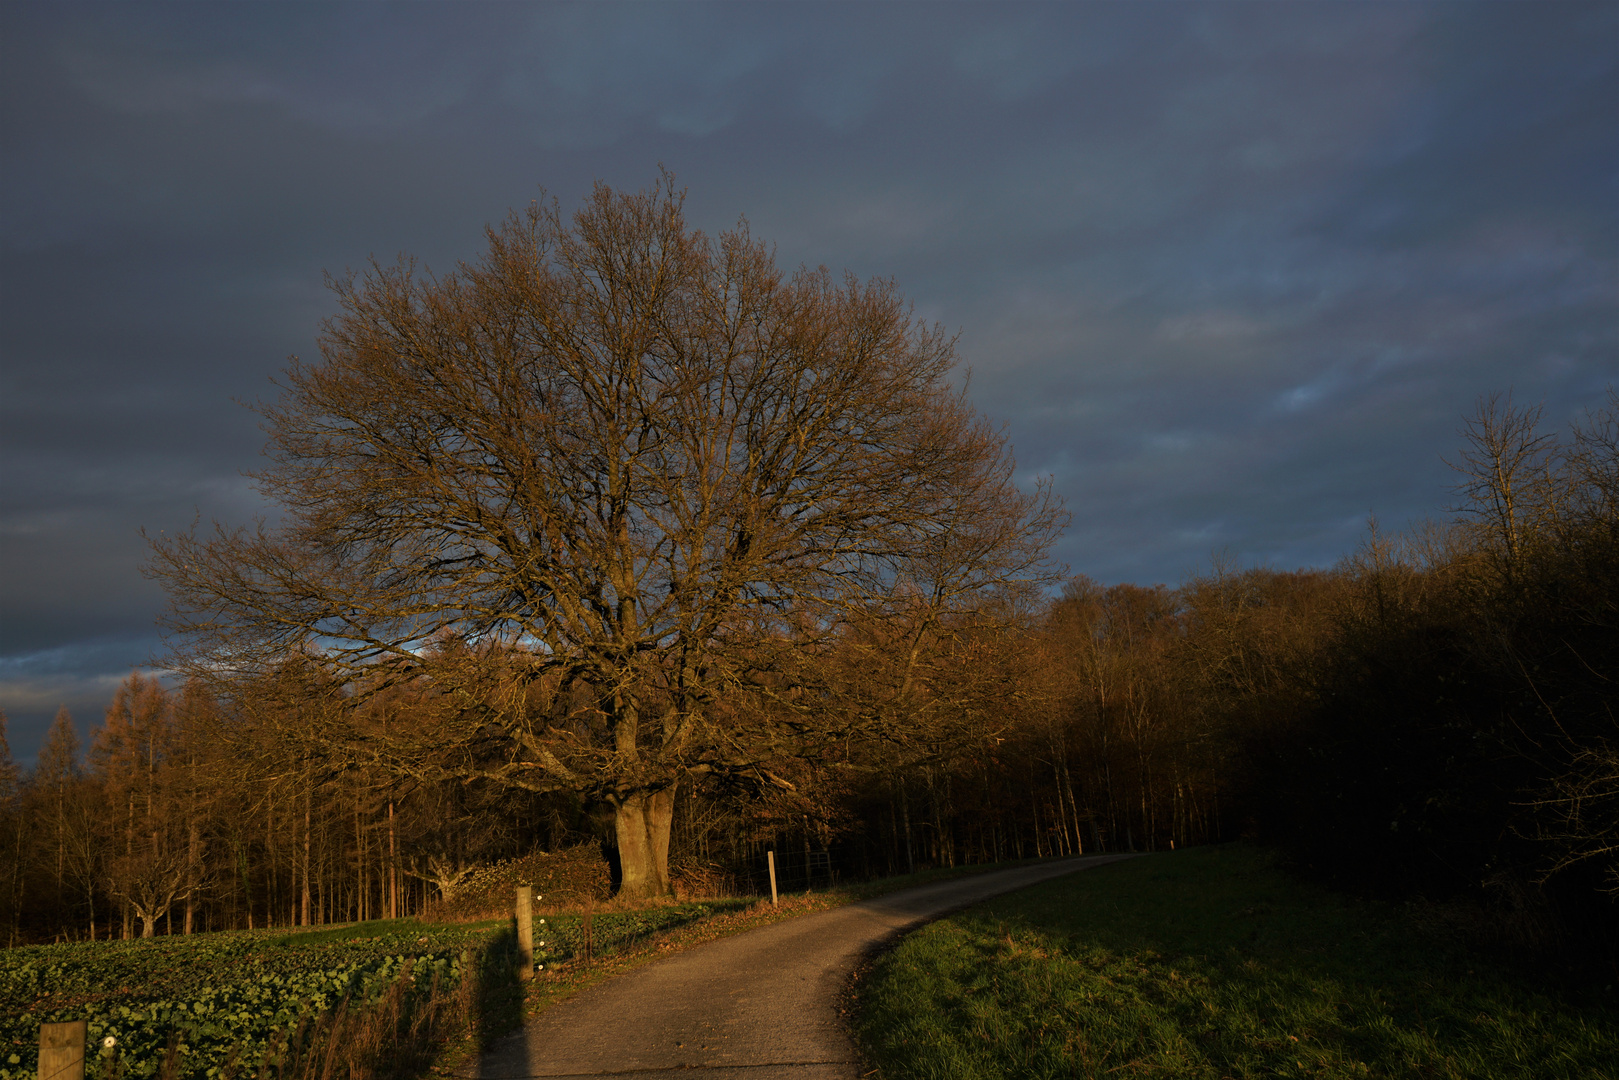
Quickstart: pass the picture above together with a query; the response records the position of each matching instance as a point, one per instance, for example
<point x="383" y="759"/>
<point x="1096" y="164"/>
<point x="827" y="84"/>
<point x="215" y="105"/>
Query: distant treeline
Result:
<point x="1432" y="718"/>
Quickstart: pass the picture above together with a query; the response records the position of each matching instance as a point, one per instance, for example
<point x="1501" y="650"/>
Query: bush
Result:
<point x="570" y="877"/>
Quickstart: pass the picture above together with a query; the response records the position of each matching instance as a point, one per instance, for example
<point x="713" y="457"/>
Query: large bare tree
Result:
<point x="583" y="491"/>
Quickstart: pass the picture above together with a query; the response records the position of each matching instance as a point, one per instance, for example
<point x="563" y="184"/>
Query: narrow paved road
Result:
<point x="758" y="1006"/>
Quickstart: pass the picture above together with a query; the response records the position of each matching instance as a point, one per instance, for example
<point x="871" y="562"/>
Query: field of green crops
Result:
<point x="221" y="996"/>
<point x="225" y="997"/>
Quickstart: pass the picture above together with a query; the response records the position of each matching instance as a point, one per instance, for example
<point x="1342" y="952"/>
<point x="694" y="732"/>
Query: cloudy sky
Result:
<point x="1230" y="272"/>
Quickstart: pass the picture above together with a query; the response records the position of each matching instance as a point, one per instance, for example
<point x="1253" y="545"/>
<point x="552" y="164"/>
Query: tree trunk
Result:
<point x="193" y="858"/>
<point x="362" y="882"/>
<point x="303" y="912"/>
<point x="1068" y="785"/>
<point x="893" y="832"/>
<point x="905" y="812"/>
<point x="643" y="822"/>
<point x="129" y="849"/>
<point x="393" y="866"/>
<point x="1062" y="813"/>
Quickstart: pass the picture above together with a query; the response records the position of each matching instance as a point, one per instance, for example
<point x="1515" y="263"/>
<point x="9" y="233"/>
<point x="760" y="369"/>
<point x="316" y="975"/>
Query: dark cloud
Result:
<point x="1230" y="273"/>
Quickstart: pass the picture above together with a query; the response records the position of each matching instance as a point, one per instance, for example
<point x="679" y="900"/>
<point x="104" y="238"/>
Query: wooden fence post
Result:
<point x="525" y="932"/>
<point x="771" y="854"/>
<point x="61" y="1050"/>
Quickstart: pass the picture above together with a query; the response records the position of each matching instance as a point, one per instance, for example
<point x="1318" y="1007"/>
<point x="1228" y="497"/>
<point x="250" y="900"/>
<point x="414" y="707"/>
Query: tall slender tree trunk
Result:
<point x="304" y="912"/>
<point x="61" y="843"/>
<point x="893" y="832"/>
<point x="129" y="850"/>
<point x="393" y="866"/>
<point x="1154" y="819"/>
<point x="270" y="876"/>
<point x="359" y="865"/>
<point x="938" y="819"/>
<point x="1062" y="811"/>
<point x="245" y="868"/>
<point x="193" y="869"/>
<point x="809" y="878"/>
<point x="905" y="814"/>
<point x="1112" y="804"/>
<point x="1073" y="806"/>
<point x="1181" y="822"/>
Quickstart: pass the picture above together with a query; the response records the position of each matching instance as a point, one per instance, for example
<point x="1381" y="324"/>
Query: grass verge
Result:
<point x="1211" y="963"/>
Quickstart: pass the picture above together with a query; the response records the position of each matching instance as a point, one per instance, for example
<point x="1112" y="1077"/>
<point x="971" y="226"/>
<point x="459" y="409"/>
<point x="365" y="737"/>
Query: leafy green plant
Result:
<point x="216" y="1005"/>
<point x="216" y="999"/>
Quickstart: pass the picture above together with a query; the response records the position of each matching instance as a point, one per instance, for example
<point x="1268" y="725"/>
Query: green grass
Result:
<point x="1211" y="963"/>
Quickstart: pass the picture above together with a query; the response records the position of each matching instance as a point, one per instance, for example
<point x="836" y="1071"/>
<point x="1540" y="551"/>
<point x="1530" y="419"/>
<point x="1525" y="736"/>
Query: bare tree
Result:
<point x="56" y="776"/>
<point x="448" y="875"/>
<point x="1506" y="473"/>
<point x="1589" y="470"/>
<point x="580" y="490"/>
<point x="152" y="878"/>
<point x="130" y="755"/>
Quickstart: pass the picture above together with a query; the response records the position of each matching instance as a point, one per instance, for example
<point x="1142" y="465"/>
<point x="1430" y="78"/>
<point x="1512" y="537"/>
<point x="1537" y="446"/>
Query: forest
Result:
<point x="1430" y="720"/>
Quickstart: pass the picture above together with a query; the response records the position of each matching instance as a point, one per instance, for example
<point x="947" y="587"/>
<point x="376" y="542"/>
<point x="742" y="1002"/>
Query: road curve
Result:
<point x="758" y="1006"/>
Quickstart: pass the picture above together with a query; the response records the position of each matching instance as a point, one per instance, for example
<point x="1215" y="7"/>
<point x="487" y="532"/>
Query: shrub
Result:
<point x="565" y="878"/>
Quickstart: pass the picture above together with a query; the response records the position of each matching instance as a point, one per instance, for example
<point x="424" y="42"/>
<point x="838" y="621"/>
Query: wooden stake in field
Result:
<point x="525" y="932"/>
<point x="771" y="856"/>
<point x="61" y="1050"/>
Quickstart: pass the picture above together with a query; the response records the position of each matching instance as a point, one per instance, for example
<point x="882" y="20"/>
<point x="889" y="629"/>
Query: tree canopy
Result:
<point x="588" y="492"/>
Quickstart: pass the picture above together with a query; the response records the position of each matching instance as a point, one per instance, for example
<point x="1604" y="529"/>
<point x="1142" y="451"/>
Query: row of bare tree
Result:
<point x="187" y="813"/>
<point x="1093" y="724"/>
<point x="183" y="817"/>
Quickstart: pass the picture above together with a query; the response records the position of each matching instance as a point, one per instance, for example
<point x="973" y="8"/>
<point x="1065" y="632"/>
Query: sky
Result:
<point x="1232" y="274"/>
